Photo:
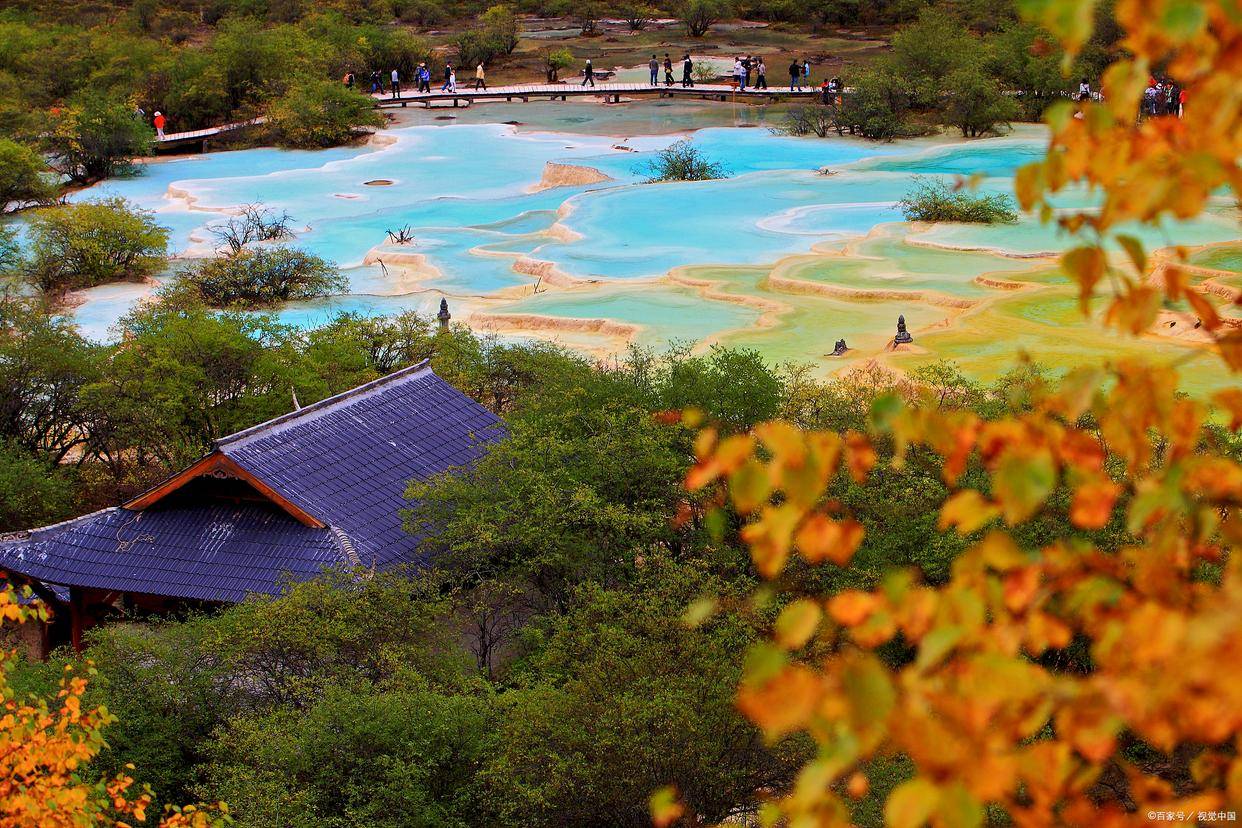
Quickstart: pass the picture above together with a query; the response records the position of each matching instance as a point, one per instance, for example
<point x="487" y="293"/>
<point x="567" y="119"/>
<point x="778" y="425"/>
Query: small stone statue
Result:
<point x="903" y="336"/>
<point x="840" y="348"/>
<point x="444" y="316"/>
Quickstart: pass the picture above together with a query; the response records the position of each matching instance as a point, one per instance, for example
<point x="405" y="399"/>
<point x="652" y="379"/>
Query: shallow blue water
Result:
<point x="467" y="191"/>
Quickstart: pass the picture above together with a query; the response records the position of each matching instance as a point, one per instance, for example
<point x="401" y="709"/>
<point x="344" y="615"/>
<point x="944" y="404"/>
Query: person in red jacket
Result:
<point x="159" y="124"/>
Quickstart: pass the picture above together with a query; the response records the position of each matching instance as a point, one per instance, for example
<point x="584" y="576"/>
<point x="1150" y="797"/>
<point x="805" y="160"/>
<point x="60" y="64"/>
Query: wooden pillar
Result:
<point x="77" y="618"/>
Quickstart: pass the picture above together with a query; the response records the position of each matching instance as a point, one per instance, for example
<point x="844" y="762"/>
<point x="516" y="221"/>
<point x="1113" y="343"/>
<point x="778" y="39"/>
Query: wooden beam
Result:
<point x="219" y="463"/>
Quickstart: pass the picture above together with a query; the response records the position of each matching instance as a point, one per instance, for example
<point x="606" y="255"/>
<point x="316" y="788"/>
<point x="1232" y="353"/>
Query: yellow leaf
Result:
<point x="1021" y="482"/>
<point x="911" y="804"/>
<point x="968" y="511"/>
<point x="796" y="623"/>
<point x="770" y="537"/>
<point x="665" y="806"/>
<point x="1085" y="265"/>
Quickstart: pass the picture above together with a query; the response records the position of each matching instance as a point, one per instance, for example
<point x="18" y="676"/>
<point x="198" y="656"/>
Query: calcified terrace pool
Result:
<point x="800" y="246"/>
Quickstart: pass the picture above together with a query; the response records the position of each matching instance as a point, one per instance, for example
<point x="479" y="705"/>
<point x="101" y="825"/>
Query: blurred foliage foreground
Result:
<point x="1054" y="685"/>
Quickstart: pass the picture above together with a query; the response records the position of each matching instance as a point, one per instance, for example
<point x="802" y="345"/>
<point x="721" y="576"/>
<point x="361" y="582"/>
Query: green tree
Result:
<point x="501" y="25"/>
<point x="557" y="61"/>
<point x="637" y="15"/>
<point x="576" y="492"/>
<point x="475" y="47"/>
<point x="700" y="15"/>
<point x="44" y="364"/>
<point x="879" y="107"/>
<point x="188" y="375"/>
<point x="320" y="114"/>
<point x="263" y="276"/>
<point x="97" y="138"/>
<point x="620" y="697"/>
<point x="928" y="51"/>
<point x="975" y="103"/>
<point x="379" y="757"/>
<point x="32" y="493"/>
<point x="23" y="176"/>
<point x="91" y="243"/>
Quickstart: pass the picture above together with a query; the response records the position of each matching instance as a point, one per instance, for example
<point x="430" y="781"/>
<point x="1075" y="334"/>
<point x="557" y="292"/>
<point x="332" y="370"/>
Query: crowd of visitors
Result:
<point x="1163" y="97"/>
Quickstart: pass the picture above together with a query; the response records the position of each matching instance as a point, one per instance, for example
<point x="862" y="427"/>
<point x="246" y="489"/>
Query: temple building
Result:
<point x="320" y="487"/>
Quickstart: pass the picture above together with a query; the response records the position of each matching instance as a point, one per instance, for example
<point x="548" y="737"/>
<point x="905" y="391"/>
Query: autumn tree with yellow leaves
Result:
<point x="1062" y="684"/>
<point x="45" y="748"/>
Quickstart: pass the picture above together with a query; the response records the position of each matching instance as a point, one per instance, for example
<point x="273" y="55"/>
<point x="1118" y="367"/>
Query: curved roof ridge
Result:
<point x="27" y="534"/>
<point x="323" y="406"/>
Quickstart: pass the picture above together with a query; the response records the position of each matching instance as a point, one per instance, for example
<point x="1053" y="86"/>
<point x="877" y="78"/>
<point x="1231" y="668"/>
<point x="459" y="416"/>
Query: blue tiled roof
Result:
<point x="346" y="461"/>
<point x="214" y="552"/>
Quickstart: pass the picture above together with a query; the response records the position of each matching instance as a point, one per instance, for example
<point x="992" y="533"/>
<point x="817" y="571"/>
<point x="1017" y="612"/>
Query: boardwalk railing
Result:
<point x="196" y="135"/>
<point x="575" y="89"/>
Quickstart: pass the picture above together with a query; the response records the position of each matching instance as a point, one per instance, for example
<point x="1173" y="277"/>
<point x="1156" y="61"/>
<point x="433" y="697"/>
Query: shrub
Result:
<point x="935" y="200"/>
<point x="23" y="175"/>
<point x="263" y="276"/>
<point x="683" y="162"/>
<point x="96" y="138"/>
<point x="82" y="245"/>
<point x="320" y="114"/>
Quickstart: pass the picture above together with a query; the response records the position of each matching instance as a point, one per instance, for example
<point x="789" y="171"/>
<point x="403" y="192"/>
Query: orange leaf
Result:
<point x="859" y="456"/>
<point x="852" y="607"/>
<point x="1093" y="503"/>
<point x="821" y="538"/>
<point x="784" y="702"/>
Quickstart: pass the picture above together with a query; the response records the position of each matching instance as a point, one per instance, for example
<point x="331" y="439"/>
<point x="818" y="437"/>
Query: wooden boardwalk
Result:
<point x="610" y="92"/>
<point x="173" y="140"/>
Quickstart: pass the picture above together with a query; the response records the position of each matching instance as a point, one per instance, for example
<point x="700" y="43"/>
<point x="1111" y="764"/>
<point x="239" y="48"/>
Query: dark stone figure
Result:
<point x="903" y="336"/>
<point x="840" y="348"/>
<point x="444" y="316"/>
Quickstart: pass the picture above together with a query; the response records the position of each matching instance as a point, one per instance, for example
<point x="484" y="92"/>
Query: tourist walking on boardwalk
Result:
<point x="159" y="124"/>
<point x="448" y="77"/>
<point x="375" y="81"/>
<point x="795" y="75"/>
<point x="423" y="79"/>
<point x="739" y="74"/>
<point x="668" y="70"/>
<point x="761" y="72"/>
<point x="479" y="81"/>
<point x="396" y="83"/>
<point x="654" y="66"/>
<point x="687" y="68"/>
<point x="806" y="74"/>
<point x="588" y="73"/>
